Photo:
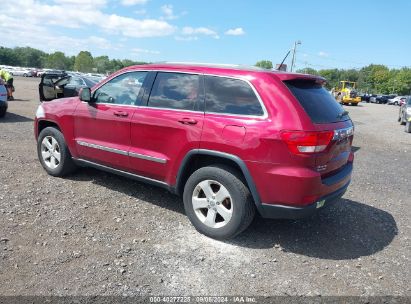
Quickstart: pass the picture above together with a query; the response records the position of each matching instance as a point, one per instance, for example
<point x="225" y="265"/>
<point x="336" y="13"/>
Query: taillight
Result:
<point x="302" y="142"/>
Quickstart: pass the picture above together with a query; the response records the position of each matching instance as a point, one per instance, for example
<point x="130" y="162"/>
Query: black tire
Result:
<point x="407" y="127"/>
<point x="242" y="202"/>
<point x="402" y="120"/>
<point x="354" y="104"/>
<point x="66" y="164"/>
<point x="3" y="111"/>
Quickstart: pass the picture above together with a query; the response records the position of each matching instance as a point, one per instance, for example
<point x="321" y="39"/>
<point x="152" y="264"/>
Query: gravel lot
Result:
<point x="99" y="234"/>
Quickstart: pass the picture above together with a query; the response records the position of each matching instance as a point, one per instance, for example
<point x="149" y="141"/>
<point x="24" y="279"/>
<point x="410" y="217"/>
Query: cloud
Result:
<point x="188" y="38"/>
<point x="131" y="27"/>
<point x="168" y="12"/>
<point x="39" y="13"/>
<point x="235" y="32"/>
<point x="132" y="2"/>
<point x="322" y="54"/>
<point x="200" y="31"/>
<point x="144" y="51"/>
<point x="140" y="12"/>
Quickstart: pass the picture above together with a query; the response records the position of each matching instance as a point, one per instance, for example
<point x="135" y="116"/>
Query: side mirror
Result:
<point x="85" y="95"/>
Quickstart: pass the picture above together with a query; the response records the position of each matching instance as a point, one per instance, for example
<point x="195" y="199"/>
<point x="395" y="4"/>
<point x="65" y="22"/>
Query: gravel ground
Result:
<point x="95" y="233"/>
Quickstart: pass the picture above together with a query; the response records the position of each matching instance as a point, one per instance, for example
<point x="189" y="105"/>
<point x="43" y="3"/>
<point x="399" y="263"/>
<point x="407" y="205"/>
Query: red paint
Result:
<point x="281" y="176"/>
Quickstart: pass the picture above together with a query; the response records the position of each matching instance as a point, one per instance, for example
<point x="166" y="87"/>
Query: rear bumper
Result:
<point x="289" y="212"/>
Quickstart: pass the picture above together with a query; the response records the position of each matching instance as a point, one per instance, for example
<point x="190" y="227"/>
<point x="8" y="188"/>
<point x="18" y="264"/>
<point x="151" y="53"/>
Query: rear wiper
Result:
<point x="342" y="114"/>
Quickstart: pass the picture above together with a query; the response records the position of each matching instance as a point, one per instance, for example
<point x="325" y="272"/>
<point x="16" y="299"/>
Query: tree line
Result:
<point x="83" y="62"/>
<point x="373" y="79"/>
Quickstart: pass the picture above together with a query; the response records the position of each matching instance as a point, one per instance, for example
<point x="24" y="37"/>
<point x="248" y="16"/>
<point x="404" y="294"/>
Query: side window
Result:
<point x="231" y="96"/>
<point x="76" y="81"/>
<point x="175" y="91"/>
<point x="123" y="89"/>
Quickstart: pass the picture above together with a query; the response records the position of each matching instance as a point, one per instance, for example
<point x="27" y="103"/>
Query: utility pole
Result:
<point x="298" y="42"/>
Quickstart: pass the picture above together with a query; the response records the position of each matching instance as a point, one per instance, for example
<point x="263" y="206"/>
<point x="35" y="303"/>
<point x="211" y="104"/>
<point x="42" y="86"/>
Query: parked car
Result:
<point x="3" y="99"/>
<point x="373" y="99"/>
<point x="404" y="116"/>
<point x="396" y="100"/>
<point x="58" y="84"/>
<point x="22" y="72"/>
<point x="365" y="97"/>
<point x="231" y="141"/>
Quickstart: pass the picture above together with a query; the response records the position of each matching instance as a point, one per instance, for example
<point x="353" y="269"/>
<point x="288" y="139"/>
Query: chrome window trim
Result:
<point x="264" y="116"/>
<point x="122" y="152"/>
<point x="265" y="113"/>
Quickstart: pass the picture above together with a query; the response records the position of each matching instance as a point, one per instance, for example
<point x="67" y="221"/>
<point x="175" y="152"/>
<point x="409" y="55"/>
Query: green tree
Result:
<point x="83" y="62"/>
<point x="7" y="56"/>
<point x="102" y="64"/>
<point x="265" y="64"/>
<point x="333" y="77"/>
<point x="57" y="60"/>
<point x="310" y="71"/>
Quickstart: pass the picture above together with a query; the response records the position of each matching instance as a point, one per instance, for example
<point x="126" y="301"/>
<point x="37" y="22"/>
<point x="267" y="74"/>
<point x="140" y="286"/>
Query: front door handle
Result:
<point x="120" y="113"/>
<point x="187" y="121"/>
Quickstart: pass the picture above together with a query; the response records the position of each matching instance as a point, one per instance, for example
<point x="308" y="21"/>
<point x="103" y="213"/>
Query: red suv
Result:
<point x="229" y="140"/>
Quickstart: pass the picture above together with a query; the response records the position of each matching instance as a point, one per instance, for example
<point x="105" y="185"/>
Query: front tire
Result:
<point x="53" y="153"/>
<point x="217" y="202"/>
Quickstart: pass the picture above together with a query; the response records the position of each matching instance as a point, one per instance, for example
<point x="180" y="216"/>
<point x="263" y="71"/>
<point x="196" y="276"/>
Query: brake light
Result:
<point x="302" y="142"/>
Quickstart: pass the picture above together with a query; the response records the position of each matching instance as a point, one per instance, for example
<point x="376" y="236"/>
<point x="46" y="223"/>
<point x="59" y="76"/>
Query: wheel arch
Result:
<point x="44" y="123"/>
<point x="199" y="158"/>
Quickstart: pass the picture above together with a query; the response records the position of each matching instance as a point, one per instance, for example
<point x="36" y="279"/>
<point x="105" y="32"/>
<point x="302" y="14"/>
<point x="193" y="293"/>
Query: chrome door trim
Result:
<point x="99" y="147"/>
<point x="122" y="152"/>
<point x="147" y="157"/>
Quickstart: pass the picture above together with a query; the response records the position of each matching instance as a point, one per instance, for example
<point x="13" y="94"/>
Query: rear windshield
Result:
<point x="319" y="104"/>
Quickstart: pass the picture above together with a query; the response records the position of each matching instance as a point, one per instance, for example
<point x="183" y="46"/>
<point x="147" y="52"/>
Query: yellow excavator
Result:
<point x="346" y="93"/>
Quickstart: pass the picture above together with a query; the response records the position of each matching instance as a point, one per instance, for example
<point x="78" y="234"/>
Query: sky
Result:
<point x="333" y="34"/>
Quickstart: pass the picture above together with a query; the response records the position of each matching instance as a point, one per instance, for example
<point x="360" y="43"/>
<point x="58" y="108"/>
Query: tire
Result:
<point x="402" y="121"/>
<point x="3" y="111"/>
<point x="238" y="206"/>
<point x="354" y="104"/>
<point x="24" y="75"/>
<point x="408" y="127"/>
<point x="57" y="149"/>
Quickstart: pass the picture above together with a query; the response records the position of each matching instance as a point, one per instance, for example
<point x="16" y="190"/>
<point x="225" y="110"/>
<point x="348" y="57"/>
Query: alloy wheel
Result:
<point x="212" y="203"/>
<point x="50" y="152"/>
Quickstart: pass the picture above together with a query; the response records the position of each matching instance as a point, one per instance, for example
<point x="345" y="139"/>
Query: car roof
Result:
<point x="220" y="69"/>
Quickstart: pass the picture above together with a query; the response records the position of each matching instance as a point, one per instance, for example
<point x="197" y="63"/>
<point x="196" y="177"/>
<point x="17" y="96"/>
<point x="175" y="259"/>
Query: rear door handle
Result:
<point x="187" y="121"/>
<point x="120" y="113"/>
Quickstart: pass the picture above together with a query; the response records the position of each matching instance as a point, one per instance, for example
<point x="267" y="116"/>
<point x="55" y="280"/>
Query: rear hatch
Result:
<point x="326" y="115"/>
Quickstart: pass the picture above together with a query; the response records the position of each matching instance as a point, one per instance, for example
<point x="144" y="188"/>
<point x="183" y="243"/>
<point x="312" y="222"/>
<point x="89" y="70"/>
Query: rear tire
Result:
<point x="53" y="153"/>
<point x="217" y="202"/>
<point x="408" y="127"/>
<point x="402" y="121"/>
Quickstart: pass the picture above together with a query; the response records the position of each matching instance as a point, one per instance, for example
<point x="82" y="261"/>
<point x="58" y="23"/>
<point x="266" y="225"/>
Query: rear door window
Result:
<point x="231" y="96"/>
<point x="317" y="102"/>
<point x="175" y="91"/>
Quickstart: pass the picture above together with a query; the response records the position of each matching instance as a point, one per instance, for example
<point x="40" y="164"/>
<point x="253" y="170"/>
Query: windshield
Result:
<point x="91" y="82"/>
<point x="317" y="102"/>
